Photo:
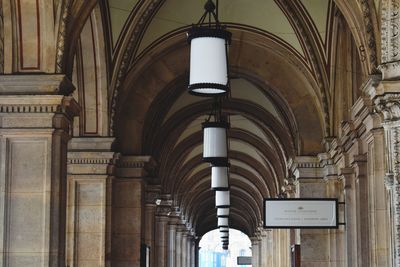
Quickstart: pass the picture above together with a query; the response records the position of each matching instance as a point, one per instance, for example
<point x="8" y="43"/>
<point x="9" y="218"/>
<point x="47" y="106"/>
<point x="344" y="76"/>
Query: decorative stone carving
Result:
<point x="289" y="187"/>
<point x="62" y="32"/>
<point x="390" y="31"/>
<point x="389" y="106"/>
<point x="387" y="102"/>
<point x="371" y="42"/>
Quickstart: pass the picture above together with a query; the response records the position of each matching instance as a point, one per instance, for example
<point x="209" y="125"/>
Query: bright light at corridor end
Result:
<point x="212" y="252"/>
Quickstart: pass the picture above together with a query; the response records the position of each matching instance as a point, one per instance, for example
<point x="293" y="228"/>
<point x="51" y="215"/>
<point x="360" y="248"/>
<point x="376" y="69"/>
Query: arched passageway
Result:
<point x="211" y="253"/>
<point x="94" y="108"/>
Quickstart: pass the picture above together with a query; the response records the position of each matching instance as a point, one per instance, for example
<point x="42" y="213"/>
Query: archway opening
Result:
<point x="211" y="253"/>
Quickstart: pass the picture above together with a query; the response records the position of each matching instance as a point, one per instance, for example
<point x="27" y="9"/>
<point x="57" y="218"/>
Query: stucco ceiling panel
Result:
<point x="119" y="13"/>
<point x="318" y="10"/>
<point x="265" y="15"/>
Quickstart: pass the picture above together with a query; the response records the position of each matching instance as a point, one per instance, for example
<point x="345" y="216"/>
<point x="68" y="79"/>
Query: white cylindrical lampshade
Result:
<point x="208" y="61"/>
<point x="215" y="145"/>
<point x="223" y="222"/>
<point x="222" y="212"/>
<point x="219" y="177"/>
<point x="224" y="229"/>
<point x="222" y="199"/>
<point x="223" y="234"/>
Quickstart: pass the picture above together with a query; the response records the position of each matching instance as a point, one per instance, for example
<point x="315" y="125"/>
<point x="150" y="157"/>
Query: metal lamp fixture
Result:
<point x="209" y="55"/>
<point x="219" y="177"/>
<point x="223" y="222"/>
<point x="223" y="212"/>
<point x="215" y="144"/>
<point x="223" y="234"/>
<point x="224" y="229"/>
<point x="222" y="199"/>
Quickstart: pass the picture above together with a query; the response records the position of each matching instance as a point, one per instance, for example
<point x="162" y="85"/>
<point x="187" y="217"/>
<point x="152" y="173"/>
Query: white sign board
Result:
<point x="300" y="213"/>
<point x="243" y="260"/>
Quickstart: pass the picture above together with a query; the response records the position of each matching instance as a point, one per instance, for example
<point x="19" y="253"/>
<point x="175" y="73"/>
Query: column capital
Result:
<point x="312" y="167"/>
<point x="386" y="97"/>
<point x="90" y="156"/>
<point x="347" y="174"/>
<point x="153" y="194"/>
<point x="289" y="187"/>
<point x="164" y="206"/>
<point x="135" y="166"/>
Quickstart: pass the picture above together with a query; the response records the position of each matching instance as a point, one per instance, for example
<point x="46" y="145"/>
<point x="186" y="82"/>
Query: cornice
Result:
<point x="35" y="84"/>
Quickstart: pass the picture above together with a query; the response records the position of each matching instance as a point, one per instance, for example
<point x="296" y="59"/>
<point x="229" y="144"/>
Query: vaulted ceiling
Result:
<point x="282" y="61"/>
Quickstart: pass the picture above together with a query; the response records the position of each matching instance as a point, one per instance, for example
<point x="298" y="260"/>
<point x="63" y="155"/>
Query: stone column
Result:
<point x="89" y="201"/>
<point x="178" y="249"/>
<point x="362" y="202"/>
<point x="347" y="175"/>
<point x="161" y="240"/>
<point x="267" y="248"/>
<point x="255" y="251"/>
<point x="386" y="97"/>
<point x="171" y="243"/>
<point x="128" y="209"/>
<point x="193" y="252"/>
<point x="184" y="247"/>
<point x="188" y="249"/>
<point x="152" y="194"/>
<point x="35" y="122"/>
<point x="387" y="100"/>
<point x="337" y="236"/>
<point x="263" y="249"/>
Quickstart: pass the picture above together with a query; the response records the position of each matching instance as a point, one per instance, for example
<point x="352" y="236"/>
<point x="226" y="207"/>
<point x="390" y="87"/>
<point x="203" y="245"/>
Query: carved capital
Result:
<point x="289" y="187"/>
<point x="389" y="107"/>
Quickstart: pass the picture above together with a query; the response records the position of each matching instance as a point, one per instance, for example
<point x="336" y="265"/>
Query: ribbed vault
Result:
<point x="278" y="108"/>
<point x="267" y="127"/>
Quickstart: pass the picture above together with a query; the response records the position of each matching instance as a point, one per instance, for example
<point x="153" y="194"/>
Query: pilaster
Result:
<point x="90" y="162"/>
<point x="163" y="211"/>
<point x="255" y="251"/>
<point x="151" y="198"/>
<point x="35" y="124"/>
<point x="128" y="204"/>
<point x="386" y="97"/>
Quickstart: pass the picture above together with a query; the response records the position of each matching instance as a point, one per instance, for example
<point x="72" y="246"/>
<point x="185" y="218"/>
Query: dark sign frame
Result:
<point x="302" y="199"/>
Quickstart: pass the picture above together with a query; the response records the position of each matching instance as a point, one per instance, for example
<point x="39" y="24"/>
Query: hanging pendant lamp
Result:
<point x="219" y="177"/>
<point x="208" y="55"/>
<point x="224" y="229"/>
<point x="222" y="199"/>
<point x="222" y="212"/>
<point x="215" y="144"/>
<point x="223" y="234"/>
<point x="223" y="222"/>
